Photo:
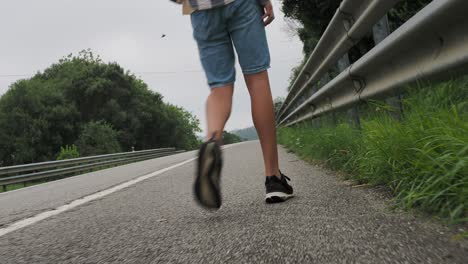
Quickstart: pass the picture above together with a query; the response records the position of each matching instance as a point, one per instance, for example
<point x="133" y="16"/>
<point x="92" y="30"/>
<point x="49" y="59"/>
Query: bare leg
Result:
<point x="218" y="110"/>
<point x="264" y="119"/>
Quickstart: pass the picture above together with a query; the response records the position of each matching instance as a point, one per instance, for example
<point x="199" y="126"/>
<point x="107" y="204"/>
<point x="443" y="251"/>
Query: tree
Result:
<point x="314" y="15"/>
<point x="277" y="103"/>
<point x="98" y="138"/>
<point x="404" y="10"/>
<point x="182" y="127"/>
<point x="229" y="138"/>
<point x="41" y="114"/>
<point x="36" y="121"/>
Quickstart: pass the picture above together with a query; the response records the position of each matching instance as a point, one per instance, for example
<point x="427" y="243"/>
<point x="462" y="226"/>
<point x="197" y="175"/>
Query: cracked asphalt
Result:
<point x="157" y="221"/>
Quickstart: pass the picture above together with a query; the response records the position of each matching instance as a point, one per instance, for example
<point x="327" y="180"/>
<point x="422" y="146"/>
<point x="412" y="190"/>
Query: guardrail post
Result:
<point x="380" y="31"/>
<point x="314" y="121"/>
<point x="353" y="113"/>
<point x="4" y="188"/>
<point x="323" y="81"/>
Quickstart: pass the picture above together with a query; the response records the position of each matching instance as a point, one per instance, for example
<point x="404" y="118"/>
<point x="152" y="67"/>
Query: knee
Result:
<point x="222" y="94"/>
<point x="223" y="91"/>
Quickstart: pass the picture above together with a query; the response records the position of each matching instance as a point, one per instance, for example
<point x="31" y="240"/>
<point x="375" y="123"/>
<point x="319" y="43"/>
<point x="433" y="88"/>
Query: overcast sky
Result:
<point x="35" y="34"/>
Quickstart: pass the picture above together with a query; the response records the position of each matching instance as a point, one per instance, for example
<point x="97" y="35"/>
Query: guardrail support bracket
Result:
<point x="359" y="83"/>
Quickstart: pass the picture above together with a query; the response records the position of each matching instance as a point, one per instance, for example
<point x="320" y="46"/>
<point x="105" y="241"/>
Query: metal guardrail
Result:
<point x="43" y="170"/>
<point x="353" y="19"/>
<point x="433" y="45"/>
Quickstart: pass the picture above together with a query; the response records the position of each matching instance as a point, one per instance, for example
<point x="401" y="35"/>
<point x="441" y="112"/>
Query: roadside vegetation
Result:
<point x="422" y="158"/>
<point x="230" y="138"/>
<point x="81" y="106"/>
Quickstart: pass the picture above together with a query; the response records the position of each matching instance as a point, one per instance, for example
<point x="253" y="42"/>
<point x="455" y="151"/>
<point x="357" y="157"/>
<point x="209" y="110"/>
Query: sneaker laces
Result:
<point x="282" y="175"/>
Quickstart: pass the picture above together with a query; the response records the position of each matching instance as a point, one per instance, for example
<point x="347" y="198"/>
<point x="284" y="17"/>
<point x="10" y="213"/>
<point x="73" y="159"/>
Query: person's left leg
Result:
<point x="264" y="119"/>
<point x="248" y="34"/>
<point x="249" y="37"/>
<point x="207" y="184"/>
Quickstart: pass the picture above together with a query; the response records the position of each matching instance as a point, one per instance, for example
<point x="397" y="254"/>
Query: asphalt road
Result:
<point x="157" y="221"/>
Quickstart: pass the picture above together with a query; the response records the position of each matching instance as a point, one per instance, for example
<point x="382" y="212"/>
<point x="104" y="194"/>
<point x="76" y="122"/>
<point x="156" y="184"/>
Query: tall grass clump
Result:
<point x="423" y="158"/>
<point x="334" y="145"/>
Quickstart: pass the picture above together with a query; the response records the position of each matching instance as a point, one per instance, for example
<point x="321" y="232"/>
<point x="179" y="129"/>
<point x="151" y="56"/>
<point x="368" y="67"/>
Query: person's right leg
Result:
<point x="217" y="58"/>
<point x="218" y="110"/>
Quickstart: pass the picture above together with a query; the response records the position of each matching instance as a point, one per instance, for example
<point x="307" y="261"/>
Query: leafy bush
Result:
<point x="68" y="152"/>
<point x="98" y="138"/>
<point x="229" y="138"/>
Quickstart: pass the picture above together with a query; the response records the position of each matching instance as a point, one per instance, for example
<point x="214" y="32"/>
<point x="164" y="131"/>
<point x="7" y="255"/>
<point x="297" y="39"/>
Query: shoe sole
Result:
<point x="205" y="190"/>
<point x="277" y="197"/>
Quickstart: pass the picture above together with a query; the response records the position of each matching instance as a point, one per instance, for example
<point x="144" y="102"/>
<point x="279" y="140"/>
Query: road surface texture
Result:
<point x="157" y="221"/>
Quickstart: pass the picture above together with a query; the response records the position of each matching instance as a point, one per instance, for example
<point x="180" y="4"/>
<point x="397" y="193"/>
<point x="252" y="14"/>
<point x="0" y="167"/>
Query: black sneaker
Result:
<point x="278" y="190"/>
<point x="207" y="183"/>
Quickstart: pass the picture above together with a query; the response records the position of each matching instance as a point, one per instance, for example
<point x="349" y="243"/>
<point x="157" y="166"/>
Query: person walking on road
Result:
<point x="219" y="27"/>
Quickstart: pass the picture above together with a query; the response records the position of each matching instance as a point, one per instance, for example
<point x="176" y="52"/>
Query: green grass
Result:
<point x="12" y="187"/>
<point x="423" y="158"/>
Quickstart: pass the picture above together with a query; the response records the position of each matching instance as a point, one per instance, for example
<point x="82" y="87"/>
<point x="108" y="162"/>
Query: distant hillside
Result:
<point x="247" y="133"/>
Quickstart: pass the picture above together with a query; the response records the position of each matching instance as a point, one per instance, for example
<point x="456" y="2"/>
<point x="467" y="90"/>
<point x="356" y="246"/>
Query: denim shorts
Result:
<point x="219" y="30"/>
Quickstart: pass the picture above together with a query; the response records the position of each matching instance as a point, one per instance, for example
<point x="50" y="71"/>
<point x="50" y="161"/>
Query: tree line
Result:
<point x="83" y="105"/>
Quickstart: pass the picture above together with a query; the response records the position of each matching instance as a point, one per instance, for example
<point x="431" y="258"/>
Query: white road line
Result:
<point x="44" y="215"/>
